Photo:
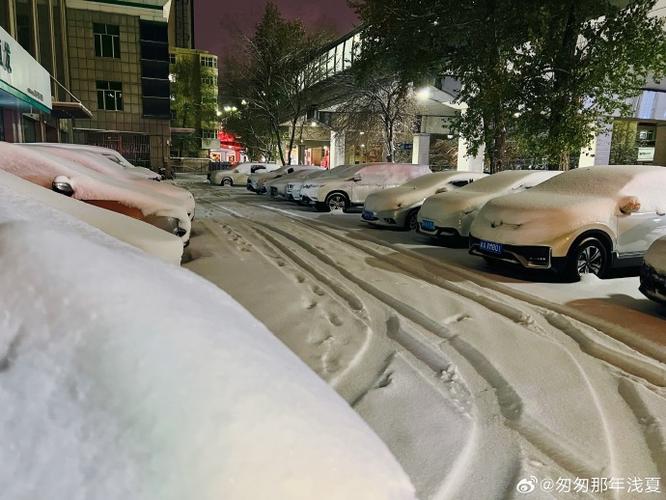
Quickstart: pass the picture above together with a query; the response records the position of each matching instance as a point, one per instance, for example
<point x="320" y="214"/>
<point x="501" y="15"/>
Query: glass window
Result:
<point x="109" y="95"/>
<point x="4" y="16"/>
<point x="24" y="25"/>
<point x="44" y="28"/>
<point x="107" y="40"/>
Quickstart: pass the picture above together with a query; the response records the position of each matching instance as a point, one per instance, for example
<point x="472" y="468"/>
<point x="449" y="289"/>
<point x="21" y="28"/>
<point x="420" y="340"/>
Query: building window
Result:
<point x="209" y="80"/>
<point x="107" y="40"/>
<point x="208" y="62"/>
<point x="208" y="134"/>
<point x="109" y="95"/>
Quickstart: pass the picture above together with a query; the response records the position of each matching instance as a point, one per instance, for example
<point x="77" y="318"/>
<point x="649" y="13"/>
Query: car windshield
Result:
<point x="429" y="180"/>
<point x="500" y="181"/>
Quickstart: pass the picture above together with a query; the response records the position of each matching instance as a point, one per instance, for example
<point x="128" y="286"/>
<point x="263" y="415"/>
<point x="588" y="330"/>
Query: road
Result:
<point x="473" y="377"/>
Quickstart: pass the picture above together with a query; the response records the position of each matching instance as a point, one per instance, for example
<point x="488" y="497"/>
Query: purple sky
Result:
<point x="219" y="23"/>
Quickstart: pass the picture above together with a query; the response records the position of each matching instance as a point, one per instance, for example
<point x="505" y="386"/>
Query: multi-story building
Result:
<point x="119" y="68"/>
<point x="34" y="77"/>
<point x="194" y="127"/>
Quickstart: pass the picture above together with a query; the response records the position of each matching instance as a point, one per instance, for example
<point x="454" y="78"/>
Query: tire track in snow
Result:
<point x="510" y="403"/>
<point x="636" y="365"/>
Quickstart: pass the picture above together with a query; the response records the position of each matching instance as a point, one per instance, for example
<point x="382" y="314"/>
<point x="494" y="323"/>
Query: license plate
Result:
<point x="428" y="225"/>
<point x="491" y="247"/>
<point x="368" y="215"/>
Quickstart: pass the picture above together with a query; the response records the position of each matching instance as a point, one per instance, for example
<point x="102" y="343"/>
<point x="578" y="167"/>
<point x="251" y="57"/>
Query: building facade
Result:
<point x="35" y="100"/>
<point x="119" y="68"/>
<point x="194" y="92"/>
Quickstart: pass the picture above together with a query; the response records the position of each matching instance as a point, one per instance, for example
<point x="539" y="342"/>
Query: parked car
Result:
<point x="451" y="214"/>
<point x="150" y="239"/>
<point x="277" y="188"/>
<point x="109" y="154"/>
<point x="238" y="176"/>
<point x="256" y="182"/>
<point x="105" y="166"/>
<point x="72" y="179"/>
<point x="653" y="272"/>
<point x="348" y="186"/>
<point x="399" y="206"/>
<point x="295" y="186"/>
<point x="584" y="221"/>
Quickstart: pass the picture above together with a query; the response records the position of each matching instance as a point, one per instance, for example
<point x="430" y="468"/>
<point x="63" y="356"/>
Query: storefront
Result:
<point x="25" y="94"/>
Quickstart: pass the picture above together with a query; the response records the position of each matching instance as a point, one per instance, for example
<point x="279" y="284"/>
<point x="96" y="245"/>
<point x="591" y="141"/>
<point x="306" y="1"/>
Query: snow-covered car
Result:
<point x="277" y="188"/>
<point x="349" y="185"/>
<point x="451" y="214"/>
<point x="119" y="381"/>
<point x="399" y="206"/>
<point x="653" y="272"/>
<point x="256" y="182"/>
<point x="82" y="183"/>
<point x="238" y="175"/>
<point x="295" y="186"/>
<point x="23" y="197"/>
<point x="109" y="154"/>
<point x="106" y="166"/>
<point x="584" y="221"/>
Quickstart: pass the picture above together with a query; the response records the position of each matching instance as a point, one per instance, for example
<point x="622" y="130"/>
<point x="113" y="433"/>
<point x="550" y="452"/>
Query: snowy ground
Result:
<point x="475" y="378"/>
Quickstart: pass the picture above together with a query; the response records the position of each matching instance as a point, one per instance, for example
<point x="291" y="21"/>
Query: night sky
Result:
<point x="218" y="23"/>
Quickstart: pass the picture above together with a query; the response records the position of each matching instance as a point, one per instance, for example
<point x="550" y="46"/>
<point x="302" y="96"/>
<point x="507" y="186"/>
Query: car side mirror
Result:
<point x="357" y="178"/>
<point x="61" y="185"/>
<point x="629" y="205"/>
<point x="442" y="190"/>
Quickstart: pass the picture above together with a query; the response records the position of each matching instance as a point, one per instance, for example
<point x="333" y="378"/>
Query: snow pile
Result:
<point x="23" y="200"/>
<point x="656" y="255"/>
<point x="157" y="385"/>
<point x="42" y="168"/>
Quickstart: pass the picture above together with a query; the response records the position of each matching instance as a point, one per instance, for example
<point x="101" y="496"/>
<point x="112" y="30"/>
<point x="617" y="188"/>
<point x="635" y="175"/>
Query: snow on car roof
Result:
<point x="441" y="177"/>
<point x="120" y="381"/>
<point x="508" y="179"/>
<point x="378" y="168"/>
<point x="606" y="180"/>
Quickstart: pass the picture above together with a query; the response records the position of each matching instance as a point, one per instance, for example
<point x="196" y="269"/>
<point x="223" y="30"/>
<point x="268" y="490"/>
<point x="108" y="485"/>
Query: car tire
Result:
<point x="227" y="182"/>
<point x="588" y="256"/>
<point x="337" y="202"/>
<point x="412" y="223"/>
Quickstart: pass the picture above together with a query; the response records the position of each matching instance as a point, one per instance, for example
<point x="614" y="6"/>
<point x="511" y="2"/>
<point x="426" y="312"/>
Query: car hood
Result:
<point x="453" y="202"/>
<point x="656" y="256"/>
<point x="396" y="198"/>
<point x="535" y="217"/>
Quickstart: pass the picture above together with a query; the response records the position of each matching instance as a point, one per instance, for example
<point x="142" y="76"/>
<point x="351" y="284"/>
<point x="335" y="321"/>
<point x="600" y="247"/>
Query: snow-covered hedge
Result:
<point x="124" y="378"/>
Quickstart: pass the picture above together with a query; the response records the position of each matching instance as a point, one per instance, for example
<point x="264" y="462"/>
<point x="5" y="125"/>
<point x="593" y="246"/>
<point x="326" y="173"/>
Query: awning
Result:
<point x="69" y="109"/>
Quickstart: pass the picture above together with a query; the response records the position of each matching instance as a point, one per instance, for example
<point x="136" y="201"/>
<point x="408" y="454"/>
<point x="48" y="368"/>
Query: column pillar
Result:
<point x="338" y="149"/>
<point x="598" y="152"/>
<point x="421" y="149"/>
<point x="468" y="163"/>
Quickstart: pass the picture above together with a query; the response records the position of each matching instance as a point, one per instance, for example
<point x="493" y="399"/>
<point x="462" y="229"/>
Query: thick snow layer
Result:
<point x="417" y="190"/>
<point x="132" y="379"/>
<point x="23" y="200"/>
<point x="387" y="172"/>
<point x="107" y="167"/>
<point x="579" y="199"/>
<point x="42" y="168"/>
<point x="656" y="255"/>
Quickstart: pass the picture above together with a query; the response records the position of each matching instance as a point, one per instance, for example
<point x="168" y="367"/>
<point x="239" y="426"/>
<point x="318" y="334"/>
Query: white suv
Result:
<point x="584" y="221"/>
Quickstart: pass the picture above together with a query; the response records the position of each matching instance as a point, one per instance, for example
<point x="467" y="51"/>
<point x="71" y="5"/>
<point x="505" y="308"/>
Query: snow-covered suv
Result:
<point x="349" y="185"/>
<point x="584" y="221"/>
<point x="238" y="176"/>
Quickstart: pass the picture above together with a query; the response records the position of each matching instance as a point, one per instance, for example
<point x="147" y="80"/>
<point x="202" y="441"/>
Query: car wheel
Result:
<point x="412" y="223"/>
<point x="227" y="182"/>
<point x="590" y="256"/>
<point x="337" y="202"/>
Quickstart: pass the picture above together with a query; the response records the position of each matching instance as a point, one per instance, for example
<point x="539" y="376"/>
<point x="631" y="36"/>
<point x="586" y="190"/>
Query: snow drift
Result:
<point x="135" y="389"/>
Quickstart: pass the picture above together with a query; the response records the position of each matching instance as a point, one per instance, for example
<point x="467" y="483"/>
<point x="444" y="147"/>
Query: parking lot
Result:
<point x="415" y="336"/>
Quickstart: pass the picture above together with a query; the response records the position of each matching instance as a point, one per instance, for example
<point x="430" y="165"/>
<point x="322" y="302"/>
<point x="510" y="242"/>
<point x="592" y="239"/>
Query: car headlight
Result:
<point x="169" y="224"/>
